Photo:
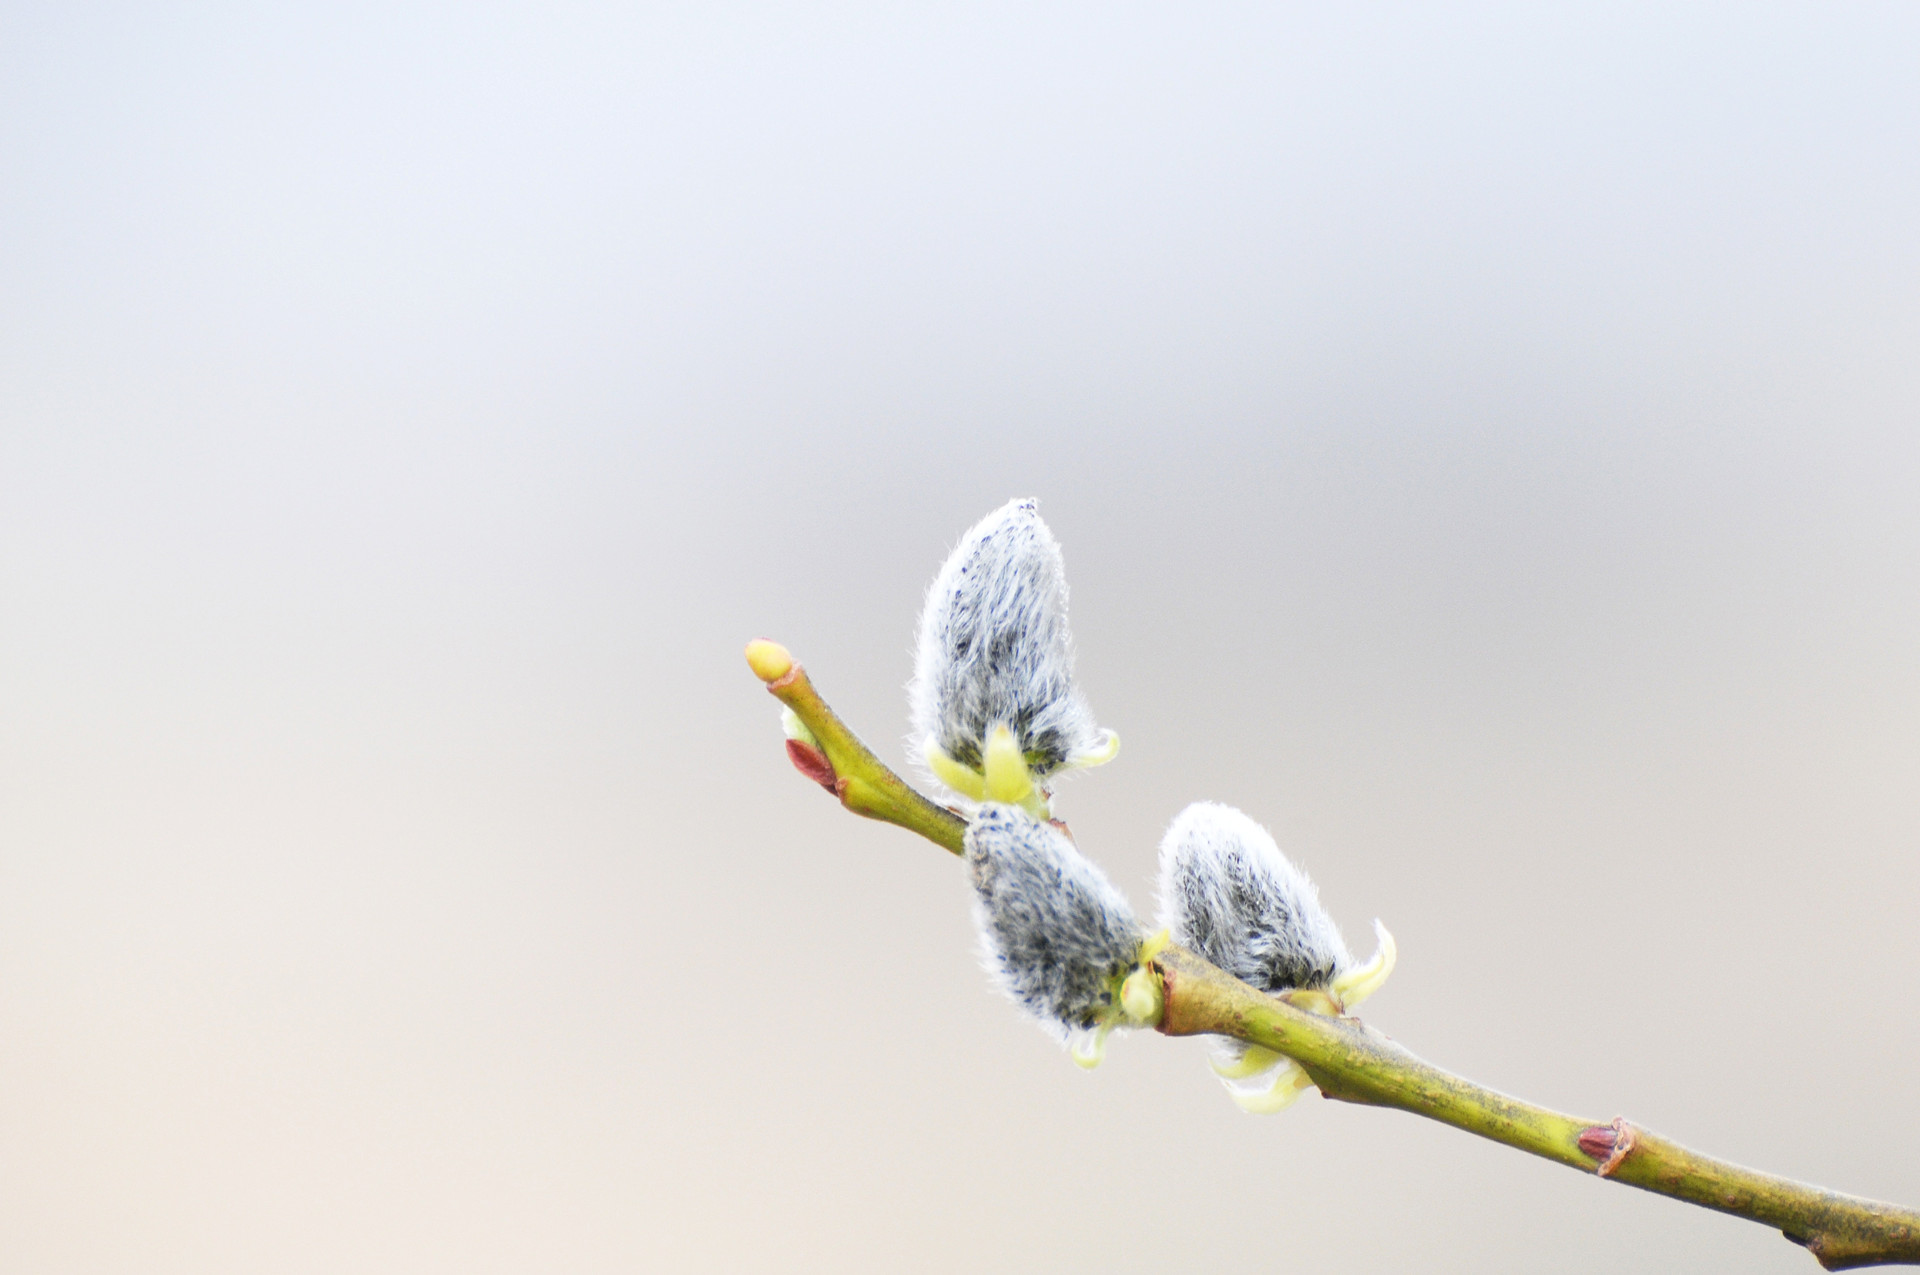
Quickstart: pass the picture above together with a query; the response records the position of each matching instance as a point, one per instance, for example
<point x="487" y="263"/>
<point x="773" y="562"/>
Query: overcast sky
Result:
<point x="1485" y="444"/>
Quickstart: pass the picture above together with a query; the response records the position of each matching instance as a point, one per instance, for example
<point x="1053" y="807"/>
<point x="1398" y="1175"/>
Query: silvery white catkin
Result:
<point x="994" y="647"/>
<point x="1057" y="936"/>
<point x="1228" y="893"/>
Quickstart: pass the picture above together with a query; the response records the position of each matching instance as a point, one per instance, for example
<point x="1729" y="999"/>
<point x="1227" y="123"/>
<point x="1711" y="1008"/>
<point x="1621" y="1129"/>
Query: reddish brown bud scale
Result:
<point x="1597" y="1141"/>
<point x="1610" y="1144"/>
<point x="813" y="763"/>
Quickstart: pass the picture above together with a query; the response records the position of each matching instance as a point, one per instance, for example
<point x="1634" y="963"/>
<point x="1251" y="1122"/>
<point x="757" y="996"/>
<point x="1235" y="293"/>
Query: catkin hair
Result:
<point x="1056" y="936"/>
<point x="1228" y="893"/>
<point x="994" y="647"/>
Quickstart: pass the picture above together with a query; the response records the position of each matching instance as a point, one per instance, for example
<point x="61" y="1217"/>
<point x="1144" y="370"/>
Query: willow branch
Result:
<point x="1352" y="1062"/>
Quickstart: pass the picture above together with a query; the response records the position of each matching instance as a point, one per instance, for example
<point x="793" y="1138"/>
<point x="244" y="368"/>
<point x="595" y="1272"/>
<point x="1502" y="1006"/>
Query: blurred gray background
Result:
<point x="1485" y="445"/>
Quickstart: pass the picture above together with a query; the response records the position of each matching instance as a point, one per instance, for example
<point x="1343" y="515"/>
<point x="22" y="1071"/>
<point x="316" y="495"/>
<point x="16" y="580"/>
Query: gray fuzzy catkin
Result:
<point x="1228" y="893"/>
<point x="994" y="647"/>
<point x="1056" y="935"/>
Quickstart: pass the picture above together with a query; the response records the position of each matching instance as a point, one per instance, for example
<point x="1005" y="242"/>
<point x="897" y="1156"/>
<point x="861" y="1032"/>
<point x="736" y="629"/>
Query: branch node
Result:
<point x="1610" y="1144"/>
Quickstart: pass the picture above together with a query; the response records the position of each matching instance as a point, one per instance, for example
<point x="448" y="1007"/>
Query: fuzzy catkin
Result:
<point x="994" y="647"/>
<point x="1228" y="893"/>
<point x="1056" y="935"/>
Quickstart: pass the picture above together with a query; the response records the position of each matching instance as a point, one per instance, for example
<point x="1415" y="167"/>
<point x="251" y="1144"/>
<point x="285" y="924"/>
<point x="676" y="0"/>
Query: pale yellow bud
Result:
<point x="769" y="660"/>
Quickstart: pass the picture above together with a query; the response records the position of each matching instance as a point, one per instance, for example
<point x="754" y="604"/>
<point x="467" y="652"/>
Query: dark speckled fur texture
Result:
<point x="1228" y="893"/>
<point x="1057" y="934"/>
<point x="994" y="647"/>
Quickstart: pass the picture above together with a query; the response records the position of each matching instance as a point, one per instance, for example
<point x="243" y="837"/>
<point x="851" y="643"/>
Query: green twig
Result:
<point x="1354" y="1063"/>
<point x="1350" y="1061"/>
<point x="835" y="758"/>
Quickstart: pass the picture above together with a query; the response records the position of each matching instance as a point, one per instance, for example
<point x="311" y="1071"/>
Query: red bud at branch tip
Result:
<point x="813" y="763"/>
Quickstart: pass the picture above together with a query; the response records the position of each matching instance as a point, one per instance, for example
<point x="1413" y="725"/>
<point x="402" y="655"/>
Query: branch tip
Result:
<point x="769" y="660"/>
